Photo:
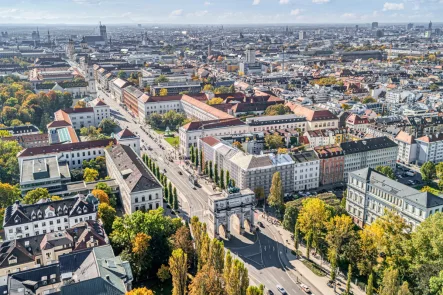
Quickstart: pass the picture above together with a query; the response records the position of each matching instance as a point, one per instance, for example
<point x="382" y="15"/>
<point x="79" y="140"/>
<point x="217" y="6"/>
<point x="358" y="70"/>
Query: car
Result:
<point x="180" y="173"/>
<point x="410" y="173"/>
<point x="308" y="194"/>
<point x="330" y="284"/>
<point x="281" y="290"/>
<point x="305" y="288"/>
<point x="399" y="176"/>
<point x="270" y="292"/>
<point x="260" y="224"/>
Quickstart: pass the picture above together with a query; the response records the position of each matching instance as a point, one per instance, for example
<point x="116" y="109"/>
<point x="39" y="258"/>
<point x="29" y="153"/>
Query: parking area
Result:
<point x="407" y="176"/>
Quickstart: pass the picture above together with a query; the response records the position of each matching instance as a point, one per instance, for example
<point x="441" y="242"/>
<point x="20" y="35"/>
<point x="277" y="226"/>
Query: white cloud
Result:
<point x="198" y="13"/>
<point x="349" y="15"/>
<point x="320" y="1"/>
<point x="296" y="11"/>
<point x="177" y="12"/>
<point x="284" y="1"/>
<point x="207" y="3"/>
<point x="90" y="2"/>
<point x="256" y="2"/>
<point x="393" y="6"/>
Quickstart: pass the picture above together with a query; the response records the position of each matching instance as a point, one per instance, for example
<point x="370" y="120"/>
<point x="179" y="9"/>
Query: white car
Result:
<point x="281" y="290"/>
<point x="305" y="288"/>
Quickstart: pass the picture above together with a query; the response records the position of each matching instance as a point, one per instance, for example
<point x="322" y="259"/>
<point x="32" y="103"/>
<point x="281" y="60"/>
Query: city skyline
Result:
<point x="218" y="12"/>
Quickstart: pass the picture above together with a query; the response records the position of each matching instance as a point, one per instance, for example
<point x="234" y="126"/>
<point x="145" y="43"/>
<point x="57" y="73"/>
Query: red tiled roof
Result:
<point x="78" y="110"/>
<point x="57" y="148"/>
<point x="125" y="133"/>
<point x="55" y="124"/>
<point x="210" y="140"/>
<point x="311" y="113"/>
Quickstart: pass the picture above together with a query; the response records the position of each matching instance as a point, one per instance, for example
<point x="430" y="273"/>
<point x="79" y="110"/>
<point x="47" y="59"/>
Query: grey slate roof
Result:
<point x="137" y="175"/>
<point x="365" y="145"/>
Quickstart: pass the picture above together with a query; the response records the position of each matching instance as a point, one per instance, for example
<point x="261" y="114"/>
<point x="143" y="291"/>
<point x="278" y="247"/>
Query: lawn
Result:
<point x="432" y="188"/>
<point x="161" y="132"/>
<point x="171" y="140"/>
<point x="314" y="268"/>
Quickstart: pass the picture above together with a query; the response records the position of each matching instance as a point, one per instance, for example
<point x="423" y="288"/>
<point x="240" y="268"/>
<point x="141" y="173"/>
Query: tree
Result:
<point x="296" y="237"/>
<point x="348" y="280"/>
<point x="273" y="141"/>
<point x="216" y="173"/>
<point x="161" y="79"/>
<point x="259" y="193"/>
<point x="434" y="87"/>
<point x="163" y="92"/>
<point x="311" y="219"/>
<point x="222" y="179"/>
<point x="36" y="195"/>
<point x="211" y="170"/>
<point x="182" y="240"/>
<point x="253" y="290"/>
<point x="386" y="170"/>
<point x="201" y="159"/>
<point x="228" y="178"/>
<point x="290" y="217"/>
<point x="238" y="279"/>
<point x="227" y="266"/>
<point x="346" y="107"/>
<point x="9" y="168"/>
<point x="107" y="189"/>
<point x="163" y="273"/>
<point x="90" y="174"/>
<point x="197" y="158"/>
<point x="216" y="255"/>
<point x="101" y="196"/>
<point x="107" y="215"/>
<point x="139" y="253"/>
<point x="80" y="104"/>
<point x="215" y="100"/>
<point x="390" y="283"/>
<point x="122" y="75"/>
<point x="192" y="154"/>
<point x="207" y="282"/>
<point x="404" y="289"/>
<point x="178" y="267"/>
<point x="238" y="145"/>
<point x="8" y="194"/>
<point x="140" y="291"/>
<point x="275" y="198"/>
<point x="282" y="151"/>
<point x="278" y="109"/>
<point x="370" y="286"/>
<point x="175" y="205"/>
<point x="208" y="87"/>
<point x="436" y="284"/>
<point x="368" y="99"/>
<point x="428" y="172"/>
<point x="107" y="125"/>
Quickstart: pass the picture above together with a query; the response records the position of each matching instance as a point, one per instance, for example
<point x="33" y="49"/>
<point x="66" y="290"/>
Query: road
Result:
<point x="263" y="253"/>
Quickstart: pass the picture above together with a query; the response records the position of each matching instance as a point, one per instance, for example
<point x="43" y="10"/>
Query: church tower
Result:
<point x="70" y="49"/>
<point x="103" y="33"/>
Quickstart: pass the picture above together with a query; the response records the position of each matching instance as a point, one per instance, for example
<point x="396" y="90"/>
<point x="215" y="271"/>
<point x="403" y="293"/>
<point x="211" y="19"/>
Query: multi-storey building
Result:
<point x="84" y="117"/>
<point x="174" y="88"/>
<point x="370" y="152"/>
<point x="306" y="170"/>
<point x="332" y="163"/>
<point x="139" y="188"/>
<point x="131" y="96"/>
<point x="371" y="193"/>
<point x="149" y="105"/>
<point x="267" y="123"/>
<point x="430" y="148"/>
<point x="116" y="87"/>
<point x="48" y="216"/>
<point x="407" y="147"/>
<point x="358" y="123"/>
<point x="45" y="249"/>
<point x="317" y="118"/>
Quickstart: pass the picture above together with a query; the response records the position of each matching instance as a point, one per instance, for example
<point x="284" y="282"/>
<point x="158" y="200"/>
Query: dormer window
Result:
<point x="85" y="209"/>
<point x="12" y="260"/>
<point x="79" y="210"/>
<point x="17" y="219"/>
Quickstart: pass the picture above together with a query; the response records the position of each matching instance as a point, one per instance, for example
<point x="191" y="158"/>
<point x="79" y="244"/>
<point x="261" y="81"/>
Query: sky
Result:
<point x="218" y="11"/>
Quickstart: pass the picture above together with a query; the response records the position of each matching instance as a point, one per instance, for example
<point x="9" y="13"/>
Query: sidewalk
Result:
<point x="319" y="282"/>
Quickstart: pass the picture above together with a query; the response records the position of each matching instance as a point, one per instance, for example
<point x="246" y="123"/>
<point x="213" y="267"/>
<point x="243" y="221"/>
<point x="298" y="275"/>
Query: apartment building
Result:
<point x="131" y="95"/>
<point x="45" y="249"/>
<point x="370" y="152"/>
<point x="371" y="193"/>
<point x="175" y="88"/>
<point x="356" y="122"/>
<point x="84" y="117"/>
<point x="332" y="161"/>
<point x="116" y="87"/>
<point x="306" y="170"/>
<point x="317" y="118"/>
<point x="407" y="147"/>
<point x="48" y="216"/>
<point x="139" y="188"/>
<point x="268" y="123"/>
<point x="149" y="105"/>
<point x="430" y="148"/>
<point x="196" y="109"/>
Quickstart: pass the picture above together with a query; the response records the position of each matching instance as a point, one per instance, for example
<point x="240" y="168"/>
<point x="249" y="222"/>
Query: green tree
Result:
<point x="216" y="173"/>
<point x="368" y="99"/>
<point x="436" y="284"/>
<point x="211" y="170"/>
<point x="278" y="109"/>
<point x="178" y="267"/>
<point x="197" y="161"/>
<point x="8" y="194"/>
<point x="201" y="160"/>
<point x="275" y="198"/>
<point x="370" y="286"/>
<point x="163" y="273"/>
<point x="238" y="279"/>
<point x="428" y="172"/>
<point x="122" y="75"/>
<point x="90" y="175"/>
<point x="259" y="193"/>
<point x="107" y="215"/>
<point x="36" y="195"/>
<point x="227" y="266"/>
<point x="216" y="255"/>
<point x="9" y="168"/>
<point x="274" y="141"/>
<point x="161" y="79"/>
<point x="390" y="282"/>
<point x="296" y="237"/>
<point x="253" y="290"/>
<point x="222" y="179"/>
<point x="290" y="217"/>
<point x="107" y="126"/>
<point x="228" y="178"/>
<point x="192" y="154"/>
<point x="348" y="280"/>
<point x="175" y="205"/>
<point x="386" y="170"/>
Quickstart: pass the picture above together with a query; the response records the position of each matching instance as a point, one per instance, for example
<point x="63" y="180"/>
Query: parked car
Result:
<point x="330" y="283"/>
<point x="270" y="292"/>
<point x="410" y="173"/>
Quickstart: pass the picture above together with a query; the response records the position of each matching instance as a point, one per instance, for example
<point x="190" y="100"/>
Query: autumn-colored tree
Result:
<point x="163" y="273"/>
<point x="207" y="282"/>
<point x="56" y="198"/>
<point x="238" y="145"/>
<point x="215" y="100"/>
<point x="101" y="196"/>
<point x="238" y="279"/>
<point x="163" y="92"/>
<point x="90" y="175"/>
<point x="182" y="240"/>
<point x="107" y="215"/>
<point x="178" y="266"/>
<point x="311" y="219"/>
<point x="140" y="246"/>
<point x="275" y="198"/>
<point x="282" y="151"/>
<point x="216" y="255"/>
<point x="140" y="291"/>
<point x="9" y="194"/>
<point x="227" y="266"/>
<point x="36" y="195"/>
<point x="254" y="290"/>
<point x="80" y="104"/>
<point x="203" y="256"/>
